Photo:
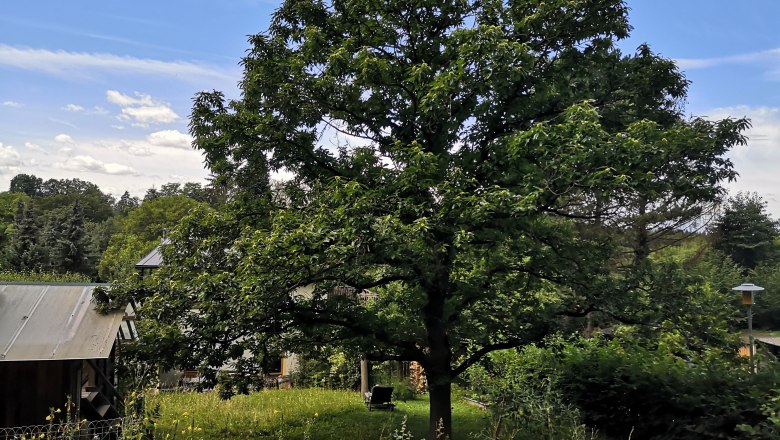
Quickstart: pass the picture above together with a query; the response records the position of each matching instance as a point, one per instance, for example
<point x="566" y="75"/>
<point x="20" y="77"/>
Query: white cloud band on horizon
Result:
<point x="61" y="62"/>
<point x="84" y="163"/>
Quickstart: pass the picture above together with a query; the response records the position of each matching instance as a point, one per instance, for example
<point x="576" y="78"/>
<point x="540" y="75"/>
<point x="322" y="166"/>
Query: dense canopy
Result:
<point x="472" y="162"/>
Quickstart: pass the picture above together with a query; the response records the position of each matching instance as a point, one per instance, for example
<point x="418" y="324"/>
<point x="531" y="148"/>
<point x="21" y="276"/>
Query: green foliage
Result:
<point x="660" y="395"/>
<point x="24" y="252"/>
<point x="43" y="277"/>
<point x="766" y="312"/>
<point x="139" y="232"/>
<point x="153" y="218"/>
<point x="769" y="428"/>
<point x="26" y="184"/>
<point x="63" y="238"/>
<point x="746" y="232"/>
<point x="519" y="387"/>
<point x="63" y="193"/>
<point x="482" y="149"/>
<point x="225" y="386"/>
<point x="126" y="203"/>
<point x="403" y="390"/>
<point x="326" y="368"/>
<point x="8" y="204"/>
<point x="625" y="388"/>
<point x="123" y="252"/>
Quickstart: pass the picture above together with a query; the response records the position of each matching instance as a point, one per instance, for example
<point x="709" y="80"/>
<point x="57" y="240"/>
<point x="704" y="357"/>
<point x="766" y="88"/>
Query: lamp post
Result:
<point x="747" y="290"/>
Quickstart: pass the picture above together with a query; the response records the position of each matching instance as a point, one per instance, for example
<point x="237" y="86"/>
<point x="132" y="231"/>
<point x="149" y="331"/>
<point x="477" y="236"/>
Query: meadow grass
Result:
<point x="299" y="414"/>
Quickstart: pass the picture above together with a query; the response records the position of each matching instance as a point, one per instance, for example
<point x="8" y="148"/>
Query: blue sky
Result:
<point x="101" y="90"/>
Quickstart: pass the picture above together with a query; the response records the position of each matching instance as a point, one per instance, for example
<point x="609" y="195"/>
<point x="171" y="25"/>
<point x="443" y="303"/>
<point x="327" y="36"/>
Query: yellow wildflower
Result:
<point x="49" y="417"/>
<point x="316" y="414"/>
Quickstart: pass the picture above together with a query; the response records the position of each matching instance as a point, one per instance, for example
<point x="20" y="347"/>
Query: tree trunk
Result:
<point x="438" y="372"/>
<point x="440" y="421"/>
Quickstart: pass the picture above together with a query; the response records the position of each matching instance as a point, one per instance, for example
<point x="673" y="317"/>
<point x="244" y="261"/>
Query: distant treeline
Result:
<point x="69" y="226"/>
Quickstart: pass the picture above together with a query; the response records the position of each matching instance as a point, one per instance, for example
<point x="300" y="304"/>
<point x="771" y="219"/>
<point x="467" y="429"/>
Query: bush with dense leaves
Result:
<point x="627" y="389"/>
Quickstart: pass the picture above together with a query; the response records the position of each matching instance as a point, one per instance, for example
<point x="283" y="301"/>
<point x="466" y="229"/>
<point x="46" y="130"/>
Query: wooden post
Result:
<point x="365" y="371"/>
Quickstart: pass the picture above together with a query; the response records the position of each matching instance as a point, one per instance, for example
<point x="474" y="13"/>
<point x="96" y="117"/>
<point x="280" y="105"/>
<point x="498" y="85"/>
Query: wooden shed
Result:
<point x="53" y="347"/>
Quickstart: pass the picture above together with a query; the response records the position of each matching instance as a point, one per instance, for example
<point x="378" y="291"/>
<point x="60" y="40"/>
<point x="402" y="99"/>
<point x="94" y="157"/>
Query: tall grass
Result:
<point x="299" y="414"/>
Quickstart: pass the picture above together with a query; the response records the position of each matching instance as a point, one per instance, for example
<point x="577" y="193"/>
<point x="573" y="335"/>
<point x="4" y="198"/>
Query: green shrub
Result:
<point x="326" y="369"/>
<point x="403" y="390"/>
<point x="518" y="387"/>
<point x="225" y="386"/>
<point x="627" y="389"/>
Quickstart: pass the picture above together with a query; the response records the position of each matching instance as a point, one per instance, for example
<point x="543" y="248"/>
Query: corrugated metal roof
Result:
<point x="53" y="322"/>
<point x="153" y="259"/>
<point x="771" y="340"/>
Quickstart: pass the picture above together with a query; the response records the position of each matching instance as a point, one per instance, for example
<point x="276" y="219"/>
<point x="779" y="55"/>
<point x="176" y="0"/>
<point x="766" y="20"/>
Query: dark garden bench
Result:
<point x="380" y="397"/>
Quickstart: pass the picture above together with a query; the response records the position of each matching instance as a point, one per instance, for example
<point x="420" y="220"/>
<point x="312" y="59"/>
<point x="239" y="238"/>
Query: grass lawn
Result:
<point x="300" y="414"/>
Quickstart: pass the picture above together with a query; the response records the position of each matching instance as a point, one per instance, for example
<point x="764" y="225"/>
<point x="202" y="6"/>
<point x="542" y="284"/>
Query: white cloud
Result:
<point x="141" y="109"/>
<point x="143" y="116"/>
<point x="134" y="148"/>
<point x="73" y="108"/>
<point x="750" y="57"/>
<point x="123" y="100"/>
<point x="89" y="163"/>
<point x="63" y="138"/>
<point x="34" y="147"/>
<point x="139" y="150"/>
<point x="9" y="157"/>
<point x="755" y="161"/>
<point x="170" y="138"/>
<point x="67" y="64"/>
<point x="11" y="104"/>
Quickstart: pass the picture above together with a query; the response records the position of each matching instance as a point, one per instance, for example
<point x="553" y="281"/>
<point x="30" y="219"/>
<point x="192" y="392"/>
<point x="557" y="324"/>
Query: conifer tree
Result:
<point x="24" y="252"/>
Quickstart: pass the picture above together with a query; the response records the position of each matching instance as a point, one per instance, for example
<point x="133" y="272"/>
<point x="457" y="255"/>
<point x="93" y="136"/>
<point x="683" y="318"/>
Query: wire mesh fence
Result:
<point x="112" y="429"/>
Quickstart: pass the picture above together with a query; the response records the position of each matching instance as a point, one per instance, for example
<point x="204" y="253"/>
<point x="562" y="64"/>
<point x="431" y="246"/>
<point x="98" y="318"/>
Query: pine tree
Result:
<point x="64" y="240"/>
<point x="74" y="234"/>
<point x="24" y="252"/>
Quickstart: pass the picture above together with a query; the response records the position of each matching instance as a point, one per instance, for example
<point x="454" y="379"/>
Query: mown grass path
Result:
<point x="299" y="414"/>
